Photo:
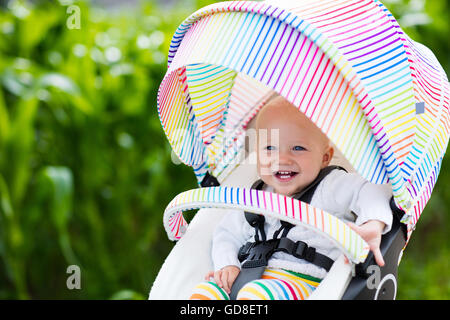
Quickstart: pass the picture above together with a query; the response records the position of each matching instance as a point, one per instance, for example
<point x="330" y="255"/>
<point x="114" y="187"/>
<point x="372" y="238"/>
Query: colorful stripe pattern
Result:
<point x="208" y="291"/>
<point x="275" y="284"/>
<point x="266" y="203"/>
<point x="345" y="63"/>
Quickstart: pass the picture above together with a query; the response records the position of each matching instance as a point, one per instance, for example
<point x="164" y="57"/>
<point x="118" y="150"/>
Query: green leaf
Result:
<point x="59" y="81"/>
<point x="20" y="147"/>
<point x="62" y="182"/>
<point x="4" y="120"/>
<point x="34" y="25"/>
<point x="66" y="85"/>
<point x="5" y="201"/>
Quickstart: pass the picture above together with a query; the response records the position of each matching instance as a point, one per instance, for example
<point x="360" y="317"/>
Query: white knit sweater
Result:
<point x="345" y="195"/>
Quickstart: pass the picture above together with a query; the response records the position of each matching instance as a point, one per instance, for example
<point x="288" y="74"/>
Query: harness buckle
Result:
<point x="299" y="249"/>
<point x="259" y="253"/>
<point x="244" y="251"/>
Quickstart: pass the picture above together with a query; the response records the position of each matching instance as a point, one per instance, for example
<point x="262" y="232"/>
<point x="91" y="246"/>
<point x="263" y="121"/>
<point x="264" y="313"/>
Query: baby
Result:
<point x="287" y="166"/>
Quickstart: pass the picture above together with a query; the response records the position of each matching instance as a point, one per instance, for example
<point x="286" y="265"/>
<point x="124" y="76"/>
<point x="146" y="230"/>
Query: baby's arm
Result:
<point x="229" y="236"/>
<point x="371" y="232"/>
<point x="370" y="202"/>
<point x="374" y="215"/>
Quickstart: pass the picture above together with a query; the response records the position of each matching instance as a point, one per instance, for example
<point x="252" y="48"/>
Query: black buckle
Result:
<point x="299" y="249"/>
<point x="244" y="251"/>
<point x="260" y="253"/>
<point x="302" y="251"/>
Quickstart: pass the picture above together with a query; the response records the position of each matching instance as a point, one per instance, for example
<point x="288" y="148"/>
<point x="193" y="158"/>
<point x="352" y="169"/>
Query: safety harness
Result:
<point x="256" y="254"/>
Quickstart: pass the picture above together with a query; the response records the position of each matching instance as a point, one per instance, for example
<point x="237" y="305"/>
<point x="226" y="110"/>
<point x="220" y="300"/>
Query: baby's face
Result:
<point x="292" y="161"/>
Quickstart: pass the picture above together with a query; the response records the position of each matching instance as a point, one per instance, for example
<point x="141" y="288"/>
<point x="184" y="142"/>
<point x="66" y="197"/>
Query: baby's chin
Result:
<point x="283" y="188"/>
<point x="287" y="186"/>
<point x="286" y="191"/>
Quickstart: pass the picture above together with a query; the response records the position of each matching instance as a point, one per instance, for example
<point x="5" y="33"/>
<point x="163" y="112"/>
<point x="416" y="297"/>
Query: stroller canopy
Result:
<point x="380" y="97"/>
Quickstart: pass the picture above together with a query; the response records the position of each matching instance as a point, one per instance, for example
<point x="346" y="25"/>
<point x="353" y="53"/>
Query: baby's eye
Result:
<point x="298" y="148"/>
<point x="270" y="148"/>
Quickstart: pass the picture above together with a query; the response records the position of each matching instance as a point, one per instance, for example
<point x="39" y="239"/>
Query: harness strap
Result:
<point x="258" y="254"/>
<point x="285" y="227"/>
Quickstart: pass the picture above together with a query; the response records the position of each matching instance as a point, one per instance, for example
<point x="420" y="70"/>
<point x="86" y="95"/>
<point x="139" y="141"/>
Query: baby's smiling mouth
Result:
<point x="285" y="175"/>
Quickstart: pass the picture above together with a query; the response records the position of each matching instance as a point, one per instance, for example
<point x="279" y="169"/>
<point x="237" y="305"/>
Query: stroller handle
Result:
<point x="268" y="204"/>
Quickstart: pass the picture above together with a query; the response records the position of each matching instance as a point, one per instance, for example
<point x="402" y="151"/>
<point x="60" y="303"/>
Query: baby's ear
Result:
<point x="327" y="156"/>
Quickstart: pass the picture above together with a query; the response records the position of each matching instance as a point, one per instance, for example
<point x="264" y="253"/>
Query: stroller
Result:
<point x="381" y="98"/>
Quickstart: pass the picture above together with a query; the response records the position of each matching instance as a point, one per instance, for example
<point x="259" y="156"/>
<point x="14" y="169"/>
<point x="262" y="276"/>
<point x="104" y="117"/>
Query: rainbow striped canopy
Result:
<point x="382" y="98"/>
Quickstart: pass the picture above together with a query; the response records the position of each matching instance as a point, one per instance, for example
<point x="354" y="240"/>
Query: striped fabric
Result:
<point x="275" y="284"/>
<point x="208" y="291"/>
<point x="346" y="64"/>
<point x="269" y="204"/>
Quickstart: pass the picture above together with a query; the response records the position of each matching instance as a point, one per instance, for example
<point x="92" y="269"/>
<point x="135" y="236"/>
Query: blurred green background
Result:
<point x="85" y="168"/>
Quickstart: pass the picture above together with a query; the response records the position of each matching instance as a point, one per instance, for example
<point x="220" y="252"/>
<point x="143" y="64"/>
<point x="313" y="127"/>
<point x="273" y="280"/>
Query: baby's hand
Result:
<point x="224" y="277"/>
<point x="371" y="233"/>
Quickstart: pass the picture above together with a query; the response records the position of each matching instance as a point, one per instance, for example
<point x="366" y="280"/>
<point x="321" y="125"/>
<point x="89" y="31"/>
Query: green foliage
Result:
<point x="85" y="168"/>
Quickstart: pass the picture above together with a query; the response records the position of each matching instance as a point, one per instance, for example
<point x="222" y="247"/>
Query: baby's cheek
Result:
<point x="264" y="170"/>
<point x="263" y="165"/>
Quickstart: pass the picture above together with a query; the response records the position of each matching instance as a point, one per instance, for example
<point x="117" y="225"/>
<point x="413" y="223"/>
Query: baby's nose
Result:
<point x="284" y="158"/>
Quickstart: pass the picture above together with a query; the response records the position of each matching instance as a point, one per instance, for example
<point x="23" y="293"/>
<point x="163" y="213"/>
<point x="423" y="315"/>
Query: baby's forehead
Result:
<point x="280" y="114"/>
<point x="282" y="111"/>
